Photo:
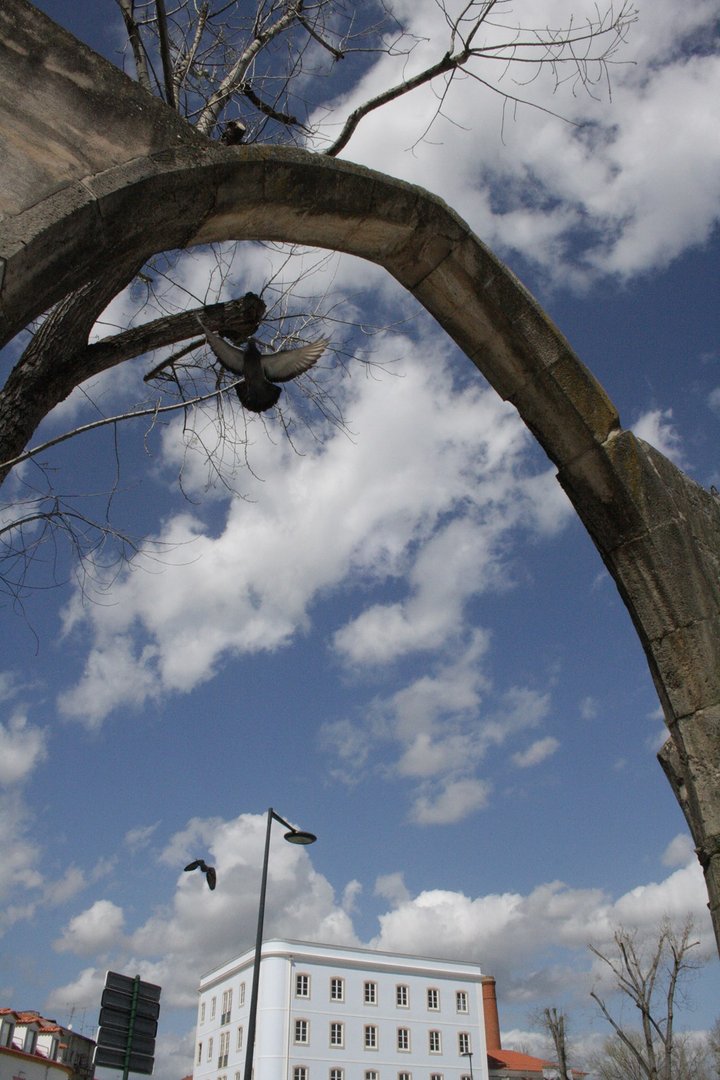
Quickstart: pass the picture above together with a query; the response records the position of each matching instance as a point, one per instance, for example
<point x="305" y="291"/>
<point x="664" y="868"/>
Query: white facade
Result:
<point x="331" y="1013"/>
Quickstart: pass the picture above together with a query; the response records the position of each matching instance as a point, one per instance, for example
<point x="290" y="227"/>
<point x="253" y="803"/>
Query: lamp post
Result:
<point x="293" y="836"/>
<point x="468" y="1054"/>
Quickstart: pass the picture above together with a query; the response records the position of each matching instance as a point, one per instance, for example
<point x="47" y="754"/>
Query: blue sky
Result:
<point x="401" y="638"/>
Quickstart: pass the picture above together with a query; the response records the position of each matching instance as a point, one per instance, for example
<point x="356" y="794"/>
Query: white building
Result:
<point x="331" y="1013"/>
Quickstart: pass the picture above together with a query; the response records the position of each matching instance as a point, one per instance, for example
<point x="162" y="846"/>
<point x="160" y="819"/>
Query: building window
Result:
<point x="404" y="1076"/>
<point x="242" y="993"/>
<point x="337" y="1074"/>
<point x="337" y="1034"/>
<point x="463" y="1042"/>
<point x="403" y="1038"/>
<point x="433" y="998"/>
<point x="213" y="1003"/>
<point x="302" y="986"/>
<point x="436" y="1076"/>
<point x="202" y="1012"/>
<point x="370" y="993"/>
<point x="371" y="1037"/>
<point x="239" y="1042"/>
<point x="465" y="1076"/>
<point x="224" y="1050"/>
<point x="199" y="1053"/>
<point x="434" y="1042"/>
<point x="371" y="1074"/>
<point x="461" y="1001"/>
<point x="300" y="1072"/>
<point x="226" y="1007"/>
<point x="302" y="1030"/>
<point x="210" y="1049"/>
<point x="402" y="997"/>
<point x="337" y="989"/>
<point x="238" y="1076"/>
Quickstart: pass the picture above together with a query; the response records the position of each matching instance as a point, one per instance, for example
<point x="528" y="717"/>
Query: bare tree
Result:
<point x="714" y="1048"/>
<point x="267" y="72"/>
<point x="693" y="1059"/>
<point x="650" y="977"/>
<point x="555" y="1024"/>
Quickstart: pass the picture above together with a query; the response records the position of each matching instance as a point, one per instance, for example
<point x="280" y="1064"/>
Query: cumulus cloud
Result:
<point x="679" y="852"/>
<point x="546" y="931"/>
<point x="435" y="733"/>
<point x="636" y="177"/>
<point x="535" y="943"/>
<point x="24" y="746"/>
<point x="392" y="887"/>
<point x="656" y="427"/>
<point x="92" y="931"/>
<point x="535" y="753"/>
<point x="191" y="932"/>
<point x="170" y="630"/>
<point x="140" y="836"/>
<point x="455" y="800"/>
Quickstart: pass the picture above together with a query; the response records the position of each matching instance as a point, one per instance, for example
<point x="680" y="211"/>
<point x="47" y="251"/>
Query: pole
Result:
<point x="131" y="1026"/>
<point x="258" y="950"/>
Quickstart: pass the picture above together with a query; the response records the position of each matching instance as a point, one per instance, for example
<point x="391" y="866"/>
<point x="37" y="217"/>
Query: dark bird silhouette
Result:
<point x="233" y="133"/>
<point x="208" y="871"/>
<point x="261" y="371"/>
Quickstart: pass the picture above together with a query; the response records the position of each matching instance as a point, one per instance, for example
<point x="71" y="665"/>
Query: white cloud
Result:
<point x="679" y="852"/>
<point x="636" y="177"/>
<point x="140" y="836"/>
<point x="392" y="887"/>
<point x="191" y="932"/>
<point x="538" y="751"/>
<point x="59" y="892"/>
<point x="168" y="629"/>
<point x="435" y="732"/>
<point x="84" y="991"/>
<point x="94" y="930"/>
<point x="18" y="867"/>
<point x="589" y="708"/>
<point x="656" y="428"/>
<point x="24" y="747"/>
<point x="514" y="935"/>
<point x="454" y="802"/>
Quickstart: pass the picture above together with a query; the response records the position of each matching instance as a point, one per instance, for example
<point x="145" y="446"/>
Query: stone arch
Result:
<point x="655" y="529"/>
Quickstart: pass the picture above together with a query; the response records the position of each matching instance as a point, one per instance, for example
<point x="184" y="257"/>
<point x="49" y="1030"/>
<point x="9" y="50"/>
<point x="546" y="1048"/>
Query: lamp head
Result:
<point x="297" y="836"/>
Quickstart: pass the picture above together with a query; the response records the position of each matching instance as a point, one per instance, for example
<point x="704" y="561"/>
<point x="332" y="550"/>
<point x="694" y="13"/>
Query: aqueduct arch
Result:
<point x="94" y="169"/>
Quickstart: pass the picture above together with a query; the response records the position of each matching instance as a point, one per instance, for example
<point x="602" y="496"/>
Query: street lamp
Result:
<point x="468" y="1054"/>
<point x="293" y="836"/>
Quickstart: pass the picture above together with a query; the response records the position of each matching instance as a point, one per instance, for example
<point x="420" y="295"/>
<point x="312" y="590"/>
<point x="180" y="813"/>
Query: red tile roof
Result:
<point x="513" y="1059"/>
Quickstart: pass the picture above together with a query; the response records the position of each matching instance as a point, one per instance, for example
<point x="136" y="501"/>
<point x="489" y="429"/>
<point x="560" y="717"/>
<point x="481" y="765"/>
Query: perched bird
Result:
<point x="208" y="871"/>
<point x="233" y="133"/>
<point x="258" y="392"/>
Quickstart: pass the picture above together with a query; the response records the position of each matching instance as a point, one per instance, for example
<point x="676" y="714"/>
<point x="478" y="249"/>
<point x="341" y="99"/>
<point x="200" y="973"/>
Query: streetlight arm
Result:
<point x="282" y="820"/>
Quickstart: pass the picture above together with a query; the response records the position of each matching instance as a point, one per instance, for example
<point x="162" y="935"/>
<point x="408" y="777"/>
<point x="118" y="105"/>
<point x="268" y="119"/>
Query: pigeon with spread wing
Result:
<point x="261" y="371"/>
<point x="208" y="871"/>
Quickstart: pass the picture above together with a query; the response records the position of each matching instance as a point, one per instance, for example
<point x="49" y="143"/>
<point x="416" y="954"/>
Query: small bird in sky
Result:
<point x="208" y="871"/>
<point x="262" y="370"/>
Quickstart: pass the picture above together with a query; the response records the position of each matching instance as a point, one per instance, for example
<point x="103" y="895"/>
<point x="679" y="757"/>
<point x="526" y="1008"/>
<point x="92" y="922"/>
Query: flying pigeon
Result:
<point x="257" y="393"/>
<point x="208" y="871"/>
